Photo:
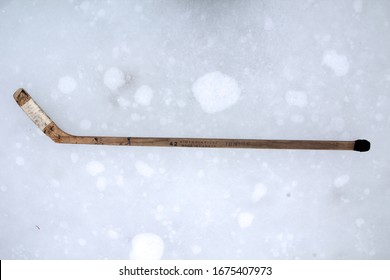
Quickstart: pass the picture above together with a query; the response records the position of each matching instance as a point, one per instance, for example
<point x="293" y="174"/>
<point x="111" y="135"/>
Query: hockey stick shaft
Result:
<point x="42" y="120"/>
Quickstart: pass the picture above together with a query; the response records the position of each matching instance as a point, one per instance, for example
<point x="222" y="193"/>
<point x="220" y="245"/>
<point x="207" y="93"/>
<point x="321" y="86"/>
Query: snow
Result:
<point x="219" y="69"/>
<point x="259" y="191"/>
<point x="94" y="167"/>
<point x="113" y="234"/>
<point x="85" y="124"/>
<point x="341" y="180"/>
<point x="74" y="157"/>
<point x="144" y="95"/>
<point x="20" y="161"/>
<point x="216" y="91"/>
<point x="268" y="24"/>
<point x="196" y="249"/>
<point x="101" y="183"/>
<point x="337" y="62"/>
<point x="358" y="6"/>
<point x="245" y="219"/>
<point x="359" y="222"/>
<point x="146" y="246"/>
<point x="124" y="102"/>
<point x="114" y="78"/>
<point x="82" y="242"/>
<point x="144" y="169"/>
<point x="67" y="84"/>
<point x="296" y="98"/>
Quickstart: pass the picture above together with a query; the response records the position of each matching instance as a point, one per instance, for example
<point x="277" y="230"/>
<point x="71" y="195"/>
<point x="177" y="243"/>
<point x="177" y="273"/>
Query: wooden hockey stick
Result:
<point x="42" y="120"/>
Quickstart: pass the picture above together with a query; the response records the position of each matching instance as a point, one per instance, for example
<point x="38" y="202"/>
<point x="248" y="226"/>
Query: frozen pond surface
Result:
<point x="241" y="69"/>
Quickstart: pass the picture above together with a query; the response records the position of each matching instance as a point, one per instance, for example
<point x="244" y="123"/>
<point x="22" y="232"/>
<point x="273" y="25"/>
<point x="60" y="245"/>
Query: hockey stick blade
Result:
<point x="43" y="121"/>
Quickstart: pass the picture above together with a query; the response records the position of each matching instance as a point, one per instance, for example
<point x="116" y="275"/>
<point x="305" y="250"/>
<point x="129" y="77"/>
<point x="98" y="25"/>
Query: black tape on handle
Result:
<point x="362" y="145"/>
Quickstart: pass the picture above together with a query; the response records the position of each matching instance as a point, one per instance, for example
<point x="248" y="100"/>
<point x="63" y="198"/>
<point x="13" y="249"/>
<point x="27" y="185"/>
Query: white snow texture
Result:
<point x="216" y="92"/>
<point x="251" y="69"/>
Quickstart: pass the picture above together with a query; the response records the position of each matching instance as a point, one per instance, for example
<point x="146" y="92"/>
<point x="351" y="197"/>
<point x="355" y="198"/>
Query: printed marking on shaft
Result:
<point x="209" y="143"/>
<point x="36" y="114"/>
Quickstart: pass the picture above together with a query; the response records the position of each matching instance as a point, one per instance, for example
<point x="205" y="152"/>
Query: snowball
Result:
<point x="94" y="167"/>
<point x="337" y="62"/>
<point x="296" y="98"/>
<point x="259" y="192"/>
<point x="216" y="92"/>
<point x="144" y="169"/>
<point x="341" y="181"/>
<point x="114" y="78"/>
<point x="85" y="124"/>
<point x="67" y="84"/>
<point x="146" y="246"/>
<point x="144" y="95"/>
<point x="245" y="219"/>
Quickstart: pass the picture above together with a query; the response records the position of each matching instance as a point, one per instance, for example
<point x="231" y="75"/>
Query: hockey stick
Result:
<point x="42" y="120"/>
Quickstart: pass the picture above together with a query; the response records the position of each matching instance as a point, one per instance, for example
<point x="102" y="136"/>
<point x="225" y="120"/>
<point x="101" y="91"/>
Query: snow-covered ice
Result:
<point x="226" y="69"/>
<point x="216" y="91"/>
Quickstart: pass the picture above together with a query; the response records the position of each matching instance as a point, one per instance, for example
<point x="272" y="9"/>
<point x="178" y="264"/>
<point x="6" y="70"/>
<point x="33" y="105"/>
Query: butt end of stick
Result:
<point x="362" y="145"/>
<point x="21" y="97"/>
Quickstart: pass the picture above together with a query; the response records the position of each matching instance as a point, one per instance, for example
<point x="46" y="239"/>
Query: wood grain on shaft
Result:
<point x="40" y="118"/>
<point x="208" y="143"/>
<point x="243" y="143"/>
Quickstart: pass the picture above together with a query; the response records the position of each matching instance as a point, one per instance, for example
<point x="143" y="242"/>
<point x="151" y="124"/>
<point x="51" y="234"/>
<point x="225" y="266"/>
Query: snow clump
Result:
<point x="146" y="246"/>
<point x="216" y="92"/>
<point x="114" y="78"/>
<point x="143" y="95"/>
<point x="337" y="62"/>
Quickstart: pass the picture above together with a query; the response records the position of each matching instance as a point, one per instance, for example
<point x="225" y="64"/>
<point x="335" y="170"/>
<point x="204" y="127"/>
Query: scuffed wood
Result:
<point x="59" y="136"/>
